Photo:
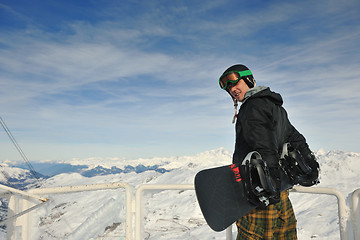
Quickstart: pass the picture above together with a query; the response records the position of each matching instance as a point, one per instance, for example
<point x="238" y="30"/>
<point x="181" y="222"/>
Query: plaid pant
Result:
<point x="276" y="221"/>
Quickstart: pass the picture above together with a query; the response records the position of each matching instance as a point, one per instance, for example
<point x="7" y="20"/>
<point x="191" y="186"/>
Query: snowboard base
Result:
<point x="221" y="196"/>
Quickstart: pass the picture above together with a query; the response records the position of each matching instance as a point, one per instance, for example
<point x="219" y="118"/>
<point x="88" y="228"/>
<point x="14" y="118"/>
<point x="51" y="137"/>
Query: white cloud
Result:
<point x="152" y="78"/>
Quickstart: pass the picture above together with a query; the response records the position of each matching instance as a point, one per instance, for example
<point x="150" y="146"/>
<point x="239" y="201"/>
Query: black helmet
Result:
<point x="243" y="72"/>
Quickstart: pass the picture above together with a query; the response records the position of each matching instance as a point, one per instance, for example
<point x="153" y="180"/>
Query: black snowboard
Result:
<point x="221" y="196"/>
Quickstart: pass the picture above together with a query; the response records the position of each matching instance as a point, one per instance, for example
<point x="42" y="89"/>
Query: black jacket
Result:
<point x="263" y="125"/>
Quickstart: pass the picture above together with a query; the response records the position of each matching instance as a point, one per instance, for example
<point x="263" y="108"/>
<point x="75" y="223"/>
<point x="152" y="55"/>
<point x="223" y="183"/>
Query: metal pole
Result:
<point x="355" y="213"/>
<point x="229" y="233"/>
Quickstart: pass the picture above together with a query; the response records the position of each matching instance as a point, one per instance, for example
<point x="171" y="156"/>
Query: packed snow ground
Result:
<point x="175" y="214"/>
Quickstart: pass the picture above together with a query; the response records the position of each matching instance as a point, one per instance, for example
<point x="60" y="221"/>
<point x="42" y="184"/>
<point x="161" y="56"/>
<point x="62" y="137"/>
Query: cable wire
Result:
<point x="24" y="157"/>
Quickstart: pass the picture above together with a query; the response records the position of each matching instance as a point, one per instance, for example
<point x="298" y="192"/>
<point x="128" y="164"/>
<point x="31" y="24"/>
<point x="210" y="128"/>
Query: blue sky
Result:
<point x="137" y="79"/>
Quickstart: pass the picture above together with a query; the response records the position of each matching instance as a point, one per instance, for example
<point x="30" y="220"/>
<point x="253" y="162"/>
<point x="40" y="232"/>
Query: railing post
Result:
<point x="229" y="233"/>
<point x="10" y="225"/>
<point x="355" y="213"/>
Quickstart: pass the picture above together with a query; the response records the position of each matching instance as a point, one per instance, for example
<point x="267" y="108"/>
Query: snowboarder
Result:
<point x="262" y="125"/>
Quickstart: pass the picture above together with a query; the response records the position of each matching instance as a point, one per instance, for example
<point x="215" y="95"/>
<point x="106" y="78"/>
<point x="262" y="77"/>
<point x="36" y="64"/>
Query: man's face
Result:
<point x="238" y="90"/>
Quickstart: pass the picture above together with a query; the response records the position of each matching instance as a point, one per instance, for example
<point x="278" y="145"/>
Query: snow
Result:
<point x="10" y="172"/>
<point x="175" y="214"/>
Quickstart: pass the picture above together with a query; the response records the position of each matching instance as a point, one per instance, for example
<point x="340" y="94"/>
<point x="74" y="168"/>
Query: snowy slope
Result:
<point x="15" y="177"/>
<point x="175" y="214"/>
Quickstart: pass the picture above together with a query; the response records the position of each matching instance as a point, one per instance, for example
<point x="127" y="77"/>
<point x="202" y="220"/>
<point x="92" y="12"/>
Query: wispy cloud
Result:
<point x="134" y="78"/>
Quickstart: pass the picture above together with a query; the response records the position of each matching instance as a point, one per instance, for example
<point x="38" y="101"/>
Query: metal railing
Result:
<point x="16" y="207"/>
<point x="344" y="234"/>
<point x="315" y="190"/>
<point x="139" y="201"/>
<point x="136" y="207"/>
<point x="11" y="191"/>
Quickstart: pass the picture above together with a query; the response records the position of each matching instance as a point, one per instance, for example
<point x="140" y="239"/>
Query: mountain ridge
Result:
<point x="176" y="211"/>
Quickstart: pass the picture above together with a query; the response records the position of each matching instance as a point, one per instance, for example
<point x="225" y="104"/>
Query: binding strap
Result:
<point x="293" y="164"/>
<point x="258" y="185"/>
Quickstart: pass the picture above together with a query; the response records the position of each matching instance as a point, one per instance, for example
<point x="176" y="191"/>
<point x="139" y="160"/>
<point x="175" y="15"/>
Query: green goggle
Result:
<point x="232" y="77"/>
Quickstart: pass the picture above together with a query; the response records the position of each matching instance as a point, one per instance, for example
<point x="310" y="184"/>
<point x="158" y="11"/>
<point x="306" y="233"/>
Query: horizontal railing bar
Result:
<point x="27" y="194"/>
<point x="80" y="188"/>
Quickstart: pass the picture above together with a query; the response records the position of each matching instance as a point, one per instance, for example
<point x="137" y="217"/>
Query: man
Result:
<point x="262" y="125"/>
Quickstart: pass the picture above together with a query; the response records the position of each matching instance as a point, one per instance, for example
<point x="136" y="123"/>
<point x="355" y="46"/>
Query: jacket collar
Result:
<point x="253" y="91"/>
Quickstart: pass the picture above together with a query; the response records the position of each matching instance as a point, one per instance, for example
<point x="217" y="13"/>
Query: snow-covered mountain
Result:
<point x="169" y="214"/>
<point x="90" y="167"/>
<point x="16" y="177"/>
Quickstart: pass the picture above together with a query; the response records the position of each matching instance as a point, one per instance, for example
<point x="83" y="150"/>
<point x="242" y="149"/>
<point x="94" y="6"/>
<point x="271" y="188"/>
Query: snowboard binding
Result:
<point x="258" y="184"/>
<point x="294" y="165"/>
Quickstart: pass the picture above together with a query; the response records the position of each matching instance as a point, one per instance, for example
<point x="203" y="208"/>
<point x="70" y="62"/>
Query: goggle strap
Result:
<point x="242" y="73"/>
<point x="245" y="73"/>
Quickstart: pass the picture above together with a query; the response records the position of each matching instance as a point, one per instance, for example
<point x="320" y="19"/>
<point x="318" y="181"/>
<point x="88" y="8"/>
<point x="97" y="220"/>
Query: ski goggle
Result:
<point x="232" y="77"/>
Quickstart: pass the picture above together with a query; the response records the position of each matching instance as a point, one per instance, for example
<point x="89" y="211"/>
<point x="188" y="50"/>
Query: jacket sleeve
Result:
<point x="298" y="141"/>
<point x="259" y="130"/>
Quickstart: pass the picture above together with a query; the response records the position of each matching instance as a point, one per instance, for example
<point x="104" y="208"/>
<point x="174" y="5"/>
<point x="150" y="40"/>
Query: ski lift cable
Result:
<point x="32" y="171"/>
<point x="24" y="157"/>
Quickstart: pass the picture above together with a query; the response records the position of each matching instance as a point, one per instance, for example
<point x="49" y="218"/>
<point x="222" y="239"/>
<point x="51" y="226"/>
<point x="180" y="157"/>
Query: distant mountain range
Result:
<point x="17" y="175"/>
<point x="22" y="177"/>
